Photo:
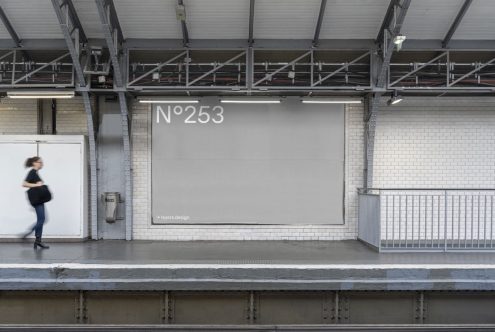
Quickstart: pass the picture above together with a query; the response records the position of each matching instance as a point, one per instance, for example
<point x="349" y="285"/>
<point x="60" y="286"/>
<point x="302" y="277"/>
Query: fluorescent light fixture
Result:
<point x="313" y="100"/>
<point x="394" y="98"/>
<point x="40" y="94"/>
<point x="177" y="100"/>
<point x="398" y="40"/>
<point x="248" y="100"/>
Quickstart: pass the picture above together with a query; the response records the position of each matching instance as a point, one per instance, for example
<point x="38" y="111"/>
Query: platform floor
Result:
<point x="226" y="252"/>
<point x="238" y="265"/>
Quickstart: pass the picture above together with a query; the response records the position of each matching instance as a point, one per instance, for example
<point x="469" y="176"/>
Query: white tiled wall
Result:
<point x="422" y="142"/>
<point x="20" y="116"/>
<point x="436" y="143"/>
<point x="71" y="117"/>
<point x="142" y="228"/>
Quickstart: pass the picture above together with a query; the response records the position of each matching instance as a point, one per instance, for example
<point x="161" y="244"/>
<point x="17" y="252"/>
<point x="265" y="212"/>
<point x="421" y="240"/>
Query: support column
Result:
<point x="73" y="46"/>
<point x="370" y="117"/>
<point x="109" y="30"/>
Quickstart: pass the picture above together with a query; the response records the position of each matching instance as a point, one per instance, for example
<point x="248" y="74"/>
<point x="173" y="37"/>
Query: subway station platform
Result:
<point x="238" y="265"/>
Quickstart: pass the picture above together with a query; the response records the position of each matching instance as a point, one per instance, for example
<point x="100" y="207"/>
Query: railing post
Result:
<point x="445" y="220"/>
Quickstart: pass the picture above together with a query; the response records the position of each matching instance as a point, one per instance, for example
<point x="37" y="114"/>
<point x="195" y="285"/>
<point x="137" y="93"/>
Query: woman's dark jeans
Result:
<point x="40" y="219"/>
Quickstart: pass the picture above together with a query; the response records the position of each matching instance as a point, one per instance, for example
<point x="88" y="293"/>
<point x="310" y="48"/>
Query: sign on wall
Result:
<point x="247" y="163"/>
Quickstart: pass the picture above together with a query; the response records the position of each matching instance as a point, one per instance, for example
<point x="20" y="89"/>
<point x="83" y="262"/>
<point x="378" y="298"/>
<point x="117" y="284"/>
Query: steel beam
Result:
<point x="185" y="32"/>
<point x="251" y="23"/>
<point x="76" y="23"/>
<point x="389" y="14"/>
<point x="340" y="69"/>
<point x="471" y="72"/>
<point x="39" y="68"/>
<point x="13" y="34"/>
<point x="370" y="118"/>
<point x="10" y="28"/>
<point x="216" y="68"/>
<point x="73" y="50"/>
<point x="270" y="75"/>
<point x="114" y="20"/>
<point x="157" y="67"/>
<point x="266" y="44"/>
<point x="394" y="25"/>
<point x="127" y="164"/>
<point x="108" y="27"/>
<point x="457" y="21"/>
<point x="418" y="69"/>
<point x="316" y="37"/>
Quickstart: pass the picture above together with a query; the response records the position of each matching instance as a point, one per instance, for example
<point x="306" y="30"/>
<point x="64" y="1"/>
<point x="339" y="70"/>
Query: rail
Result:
<point x="427" y="219"/>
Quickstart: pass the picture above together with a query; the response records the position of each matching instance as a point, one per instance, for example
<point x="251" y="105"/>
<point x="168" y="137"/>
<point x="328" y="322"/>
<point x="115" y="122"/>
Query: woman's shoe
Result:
<point x="40" y="244"/>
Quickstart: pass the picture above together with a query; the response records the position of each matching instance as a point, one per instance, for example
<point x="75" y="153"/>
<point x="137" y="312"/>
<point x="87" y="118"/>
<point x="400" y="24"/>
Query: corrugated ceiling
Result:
<point x="274" y="19"/>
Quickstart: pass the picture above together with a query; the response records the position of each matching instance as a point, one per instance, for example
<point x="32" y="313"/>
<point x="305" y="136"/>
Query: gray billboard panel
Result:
<point x="248" y="163"/>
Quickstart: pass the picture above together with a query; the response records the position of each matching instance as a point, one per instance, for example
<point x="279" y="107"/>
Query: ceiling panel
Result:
<point x="217" y="19"/>
<point x="285" y="19"/>
<point x="32" y="18"/>
<point x="148" y="18"/>
<point x="4" y="34"/>
<point x="88" y="15"/>
<point x="356" y="19"/>
<point x="479" y="22"/>
<point x="428" y="19"/>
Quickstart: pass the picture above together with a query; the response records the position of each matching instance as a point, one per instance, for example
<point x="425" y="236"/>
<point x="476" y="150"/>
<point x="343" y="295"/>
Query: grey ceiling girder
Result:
<point x="216" y="68"/>
<point x="108" y="29"/>
<point x="90" y="122"/>
<point x="73" y="49"/>
<point x="251" y="23"/>
<point x="41" y="68"/>
<point x="161" y="65"/>
<point x="341" y="68"/>
<point x="269" y="44"/>
<point x="10" y="28"/>
<point x="75" y="21"/>
<point x="457" y="21"/>
<point x="12" y="33"/>
<point x="316" y="37"/>
<point x="397" y="19"/>
<point x="471" y="72"/>
<point x="114" y="19"/>
<point x="396" y="14"/>
<point x="389" y="14"/>
<point x="185" y="32"/>
<point x="270" y="75"/>
<point x="418" y="69"/>
<point x="113" y="47"/>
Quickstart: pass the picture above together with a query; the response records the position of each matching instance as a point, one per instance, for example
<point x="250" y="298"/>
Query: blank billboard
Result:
<point x="247" y="163"/>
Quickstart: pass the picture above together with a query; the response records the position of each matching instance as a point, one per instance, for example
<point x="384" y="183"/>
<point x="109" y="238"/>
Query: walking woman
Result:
<point x="33" y="180"/>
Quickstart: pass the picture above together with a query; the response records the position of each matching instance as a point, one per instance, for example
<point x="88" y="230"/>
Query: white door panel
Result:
<point x="62" y="174"/>
<point x="16" y="214"/>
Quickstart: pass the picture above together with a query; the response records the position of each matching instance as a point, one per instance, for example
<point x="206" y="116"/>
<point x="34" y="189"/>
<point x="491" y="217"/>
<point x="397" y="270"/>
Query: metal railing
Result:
<point x="395" y="219"/>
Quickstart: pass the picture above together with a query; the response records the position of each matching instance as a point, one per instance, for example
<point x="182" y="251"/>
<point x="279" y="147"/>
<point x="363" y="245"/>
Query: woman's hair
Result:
<point x="29" y="162"/>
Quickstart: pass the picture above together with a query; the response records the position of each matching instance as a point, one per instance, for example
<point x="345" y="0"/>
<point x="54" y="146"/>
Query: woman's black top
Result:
<point x="33" y="176"/>
<point x="37" y="195"/>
